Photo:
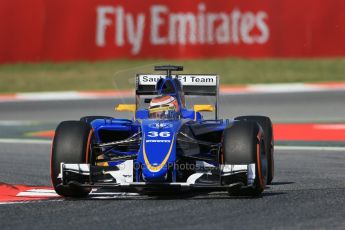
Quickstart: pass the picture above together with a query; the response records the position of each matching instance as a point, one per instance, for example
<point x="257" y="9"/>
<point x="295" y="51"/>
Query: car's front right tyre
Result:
<point x="243" y="144"/>
<point x="266" y="125"/>
<point x="71" y="144"/>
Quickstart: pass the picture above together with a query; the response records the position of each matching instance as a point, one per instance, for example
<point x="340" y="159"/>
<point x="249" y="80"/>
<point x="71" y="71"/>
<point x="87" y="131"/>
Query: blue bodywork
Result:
<point x="157" y="152"/>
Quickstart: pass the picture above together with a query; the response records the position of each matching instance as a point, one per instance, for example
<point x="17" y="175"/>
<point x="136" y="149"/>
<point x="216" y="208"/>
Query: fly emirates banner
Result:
<point x="51" y="30"/>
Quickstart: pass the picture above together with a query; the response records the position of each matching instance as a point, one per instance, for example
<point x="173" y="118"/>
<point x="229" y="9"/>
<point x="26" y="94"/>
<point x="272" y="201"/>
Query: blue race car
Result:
<point x="167" y="146"/>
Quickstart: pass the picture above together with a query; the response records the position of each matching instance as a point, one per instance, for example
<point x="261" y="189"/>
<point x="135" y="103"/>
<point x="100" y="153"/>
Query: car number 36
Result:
<point x="156" y="134"/>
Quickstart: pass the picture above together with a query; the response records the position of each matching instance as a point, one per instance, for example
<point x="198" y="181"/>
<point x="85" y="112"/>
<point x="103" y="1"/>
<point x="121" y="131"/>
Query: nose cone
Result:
<point x="158" y="149"/>
<point x="157" y="154"/>
<point x="159" y="176"/>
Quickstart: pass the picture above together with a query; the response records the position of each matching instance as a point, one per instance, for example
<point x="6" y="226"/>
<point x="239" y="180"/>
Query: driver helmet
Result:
<point x="161" y="106"/>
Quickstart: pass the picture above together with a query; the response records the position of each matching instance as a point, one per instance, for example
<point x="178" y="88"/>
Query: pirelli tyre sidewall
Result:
<point x="266" y="125"/>
<point x="243" y="143"/>
<point x="71" y="144"/>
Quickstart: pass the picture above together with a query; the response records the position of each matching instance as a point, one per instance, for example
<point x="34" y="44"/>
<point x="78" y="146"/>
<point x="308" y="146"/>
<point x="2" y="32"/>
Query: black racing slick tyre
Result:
<point x="266" y="125"/>
<point x="89" y="119"/>
<point x="71" y="144"/>
<point x="243" y="143"/>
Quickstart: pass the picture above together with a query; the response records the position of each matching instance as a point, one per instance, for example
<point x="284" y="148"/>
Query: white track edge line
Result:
<point x="49" y="199"/>
<point x="24" y="141"/>
<point x="312" y="148"/>
<point x="249" y="89"/>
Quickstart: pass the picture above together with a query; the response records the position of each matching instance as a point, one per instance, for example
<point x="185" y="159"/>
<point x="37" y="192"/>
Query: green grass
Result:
<point x="119" y="74"/>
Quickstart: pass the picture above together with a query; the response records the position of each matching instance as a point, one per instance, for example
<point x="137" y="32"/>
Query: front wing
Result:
<point x="120" y="179"/>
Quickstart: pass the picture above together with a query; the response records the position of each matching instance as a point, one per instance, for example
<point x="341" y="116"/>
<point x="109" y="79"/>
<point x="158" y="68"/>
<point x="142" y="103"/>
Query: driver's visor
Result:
<point x="160" y="108"/>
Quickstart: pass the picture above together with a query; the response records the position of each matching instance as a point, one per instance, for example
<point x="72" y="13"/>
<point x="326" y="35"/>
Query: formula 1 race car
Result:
<point x="166" y="146"/>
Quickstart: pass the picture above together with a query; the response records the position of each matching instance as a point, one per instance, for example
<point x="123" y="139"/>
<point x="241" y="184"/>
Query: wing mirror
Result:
<point x="203" y="108"/>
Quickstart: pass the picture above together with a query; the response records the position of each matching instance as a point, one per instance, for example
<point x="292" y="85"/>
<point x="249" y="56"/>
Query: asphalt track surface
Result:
<point x="308" y="191"/>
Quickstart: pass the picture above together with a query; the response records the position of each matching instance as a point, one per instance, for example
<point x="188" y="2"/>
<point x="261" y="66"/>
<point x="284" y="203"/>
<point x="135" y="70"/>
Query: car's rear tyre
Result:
<point x="71" y="144"/>
<point x="243" y="143"/>
<point x="89" y="119"/>
<point x="266" y="125"/>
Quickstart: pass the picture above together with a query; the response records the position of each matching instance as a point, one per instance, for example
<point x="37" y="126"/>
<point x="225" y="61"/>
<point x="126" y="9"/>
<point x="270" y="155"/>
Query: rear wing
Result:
<point x="193" y="84"/>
